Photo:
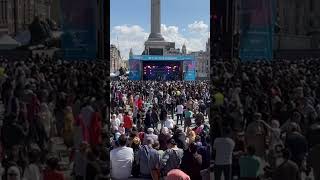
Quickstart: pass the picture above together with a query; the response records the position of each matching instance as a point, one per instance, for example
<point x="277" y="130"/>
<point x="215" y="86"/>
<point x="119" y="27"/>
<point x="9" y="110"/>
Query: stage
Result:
<point x="162" y="68"/>
<point x="166" y="70"/>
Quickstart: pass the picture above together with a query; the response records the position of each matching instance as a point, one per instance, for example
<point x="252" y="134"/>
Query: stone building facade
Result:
<point x="115" y="59"/>
<point x="203" y="62"/>
<point x="17" y="15"/>
<point x="299" y="25"/>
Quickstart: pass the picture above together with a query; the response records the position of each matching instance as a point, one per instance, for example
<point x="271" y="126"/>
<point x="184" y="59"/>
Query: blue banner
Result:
<point x="161" y="58"/>
<point x="135" y="70"/>
<point x="189" y="70"/>
<point x="256" y="29"/>
<point x="79" y="25"/>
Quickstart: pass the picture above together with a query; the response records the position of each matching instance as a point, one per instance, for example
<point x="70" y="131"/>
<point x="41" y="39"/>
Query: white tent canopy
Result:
<point x="7" y="42"/>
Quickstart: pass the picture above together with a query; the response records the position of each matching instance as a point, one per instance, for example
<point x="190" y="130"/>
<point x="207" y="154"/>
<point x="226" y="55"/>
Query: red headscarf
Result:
<point x="95" y="129"/>
<point x="33" y="108"/>
<point x="140" y="103"/>
<point x="85" y="132"/>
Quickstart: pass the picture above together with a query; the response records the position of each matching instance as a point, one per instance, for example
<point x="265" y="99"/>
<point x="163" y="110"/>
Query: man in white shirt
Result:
<point x="169" y="123"/>
<point x="179" y="113"/>
<point x="121" y="160"/>
<point x="223" y="147"/>
<point x="115" y="122"/>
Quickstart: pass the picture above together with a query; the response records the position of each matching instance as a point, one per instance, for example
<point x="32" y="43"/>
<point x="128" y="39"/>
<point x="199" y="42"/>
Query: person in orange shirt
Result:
<point x="127" y="122"/>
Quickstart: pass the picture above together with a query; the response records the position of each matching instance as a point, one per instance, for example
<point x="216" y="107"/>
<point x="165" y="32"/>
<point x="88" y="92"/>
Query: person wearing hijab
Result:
<point x="52" y="173"/>
<point x="84" y="121"/>
<point x="163" y="138"/>
<point x="46" y="118"/>
<point x="95" y="129"/>
<point x="32" y="171"/>
<point x="86" y="114"/>
<point x="115" y="122"/>
<point x="191" y="136"/>
<point x="68" y="127"/>
<point x="255" y="135"/>
<point x="13" y="173"/>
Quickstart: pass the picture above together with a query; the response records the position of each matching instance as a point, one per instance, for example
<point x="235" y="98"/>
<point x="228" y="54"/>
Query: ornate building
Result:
<point x="115" y="58"/>
<point x="16" y="15"/>
<point x="208" y="56"/>
<point x="184" y="49"/>
<point x="3" y="16"/>
<point x="297" y="25"/>
<point x="203" y="62"/>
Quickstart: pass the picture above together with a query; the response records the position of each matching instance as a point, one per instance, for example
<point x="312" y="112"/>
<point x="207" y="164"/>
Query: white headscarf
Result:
<point x="86" y="113"/>
<point x="13" y="170"/>
<point x="165" y="130"/>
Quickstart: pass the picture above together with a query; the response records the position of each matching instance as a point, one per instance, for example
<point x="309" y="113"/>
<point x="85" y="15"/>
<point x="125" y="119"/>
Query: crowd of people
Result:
<point x="264" y="122"/>
<point x="46" y="100"/>
<point x="160" y="129"/>
<point x="265" y="119"/>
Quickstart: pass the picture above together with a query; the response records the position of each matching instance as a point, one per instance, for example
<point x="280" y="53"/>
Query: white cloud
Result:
<point x="198" y="26"/>
<point x="134" y="36"/>
<point x="127" y="37"/>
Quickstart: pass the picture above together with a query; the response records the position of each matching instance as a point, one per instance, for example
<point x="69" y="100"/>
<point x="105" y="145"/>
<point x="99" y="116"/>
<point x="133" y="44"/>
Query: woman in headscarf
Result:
<point x="68" y="127"/>
<point x="46" y="118"/>
<point x="191" y="136"/>
<point x="52" y="173"/>
<point x="163" y="138"/>
<point x="13" y="173"/>
<point x="84" y="121"/>
<point x="33" y="107"/>
<point x="136" y="142"/>
<point x="95" y="129"/>
<point x="255" y="135"/>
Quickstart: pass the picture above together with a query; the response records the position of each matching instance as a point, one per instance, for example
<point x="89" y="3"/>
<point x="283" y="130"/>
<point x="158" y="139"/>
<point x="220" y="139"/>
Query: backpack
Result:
<point x="174" y="160"/>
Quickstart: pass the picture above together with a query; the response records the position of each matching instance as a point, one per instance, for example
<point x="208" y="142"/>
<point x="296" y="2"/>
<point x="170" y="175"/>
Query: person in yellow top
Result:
<point x="219" y="98"/>
<point x="2" y="72"/>
<point x="178" y="93"/>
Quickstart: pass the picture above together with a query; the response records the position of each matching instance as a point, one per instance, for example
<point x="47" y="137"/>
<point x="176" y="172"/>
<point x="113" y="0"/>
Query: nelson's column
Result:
<point x="156" y="45"/>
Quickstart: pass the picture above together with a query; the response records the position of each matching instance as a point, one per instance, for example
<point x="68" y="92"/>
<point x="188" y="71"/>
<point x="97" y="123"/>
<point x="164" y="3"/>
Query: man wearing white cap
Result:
<point x="150" y="135"/>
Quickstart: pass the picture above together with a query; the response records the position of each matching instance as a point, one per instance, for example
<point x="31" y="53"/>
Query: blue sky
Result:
<point x="183" y="21"/>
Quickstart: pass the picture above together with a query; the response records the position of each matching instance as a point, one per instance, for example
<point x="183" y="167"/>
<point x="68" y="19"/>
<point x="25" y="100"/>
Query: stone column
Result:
<point x="155" y="16"/>
<point x="155" y="21"/>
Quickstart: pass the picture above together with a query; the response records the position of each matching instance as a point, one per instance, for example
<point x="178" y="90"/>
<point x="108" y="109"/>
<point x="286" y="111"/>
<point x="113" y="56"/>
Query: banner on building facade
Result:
<point x="189" y="70"/>
<point x="79" y="25"/>
<point x="256" y="29"/>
